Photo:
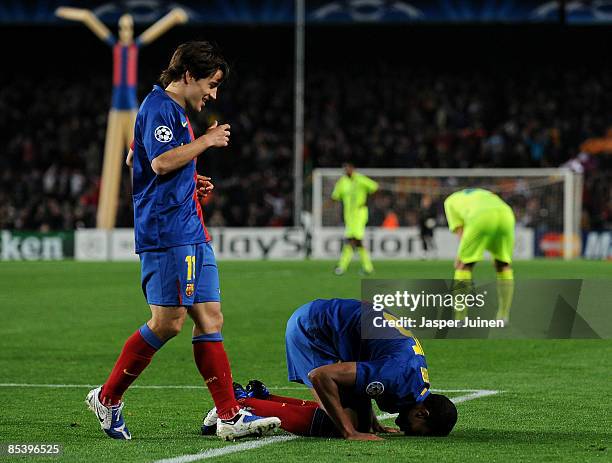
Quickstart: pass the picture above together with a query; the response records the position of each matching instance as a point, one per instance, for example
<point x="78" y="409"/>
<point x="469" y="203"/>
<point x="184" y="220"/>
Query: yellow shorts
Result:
<point x="355" y="224"/>
<point x="491" y="230"/>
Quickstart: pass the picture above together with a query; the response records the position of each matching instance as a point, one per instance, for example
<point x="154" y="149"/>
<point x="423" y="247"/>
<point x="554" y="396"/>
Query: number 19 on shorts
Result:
<point x="191" y="267"/>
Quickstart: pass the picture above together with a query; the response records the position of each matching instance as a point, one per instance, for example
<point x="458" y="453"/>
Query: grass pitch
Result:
<point x="63" y="324"/>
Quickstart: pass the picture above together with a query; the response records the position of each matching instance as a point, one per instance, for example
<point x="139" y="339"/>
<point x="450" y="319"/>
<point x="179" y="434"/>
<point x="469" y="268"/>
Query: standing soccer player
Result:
<point x="483" y="221"/>
<point x="178" y="267"/>
<point x="353" y="190"/>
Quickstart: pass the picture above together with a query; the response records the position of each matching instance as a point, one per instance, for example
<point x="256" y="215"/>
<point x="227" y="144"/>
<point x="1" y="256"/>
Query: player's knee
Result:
<point x="501" y="266"/>
<point x="463" y="266"/>
<point x="214" y="321"/>
<point x="208" y="319"/>
<point x="316" y="375"/>
<point x="170" y="331"/>
<point x="167" y="328"/>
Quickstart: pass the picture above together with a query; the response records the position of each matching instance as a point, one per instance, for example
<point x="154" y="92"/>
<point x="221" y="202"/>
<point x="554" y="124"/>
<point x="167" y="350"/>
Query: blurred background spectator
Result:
<point x="506" y="102"/>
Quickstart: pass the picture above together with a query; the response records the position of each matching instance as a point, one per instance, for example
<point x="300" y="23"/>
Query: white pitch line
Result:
<point x="213" y="453"/>
<point x="475" y="394"/>
<point x="186" y="386"/>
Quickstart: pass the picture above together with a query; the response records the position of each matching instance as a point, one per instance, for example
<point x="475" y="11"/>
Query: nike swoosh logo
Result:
<point x="184" y="124"/>
<point x="99" y="413"/>
<point x="128" y="373"/>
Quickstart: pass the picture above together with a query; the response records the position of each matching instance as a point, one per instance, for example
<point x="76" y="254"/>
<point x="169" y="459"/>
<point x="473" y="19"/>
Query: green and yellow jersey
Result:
<point x="487" y="222"/>
<point x="353" y="191"/>
<point x="463" y="206"/>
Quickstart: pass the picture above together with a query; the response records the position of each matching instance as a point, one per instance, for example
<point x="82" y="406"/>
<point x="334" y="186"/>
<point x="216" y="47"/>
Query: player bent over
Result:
<point x="483" y="221"/>
<point x="353" y="189"/>
<point x="326" y="352"/>
<point x="178" y="268"/>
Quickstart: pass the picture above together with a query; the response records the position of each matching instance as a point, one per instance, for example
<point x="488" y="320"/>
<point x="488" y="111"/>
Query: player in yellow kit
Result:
<point x="483" y="221"/>
<point x="353" y="190"/>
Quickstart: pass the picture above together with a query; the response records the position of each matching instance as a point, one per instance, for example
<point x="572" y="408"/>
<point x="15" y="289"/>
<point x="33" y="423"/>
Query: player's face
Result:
<point x="413" y="421"/>
<point x="201" y="91"/>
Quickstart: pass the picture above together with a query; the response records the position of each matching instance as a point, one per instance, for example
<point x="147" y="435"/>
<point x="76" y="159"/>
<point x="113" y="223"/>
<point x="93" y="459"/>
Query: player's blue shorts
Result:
<point x="180" y="276"/>
<point x="304" y="351"/>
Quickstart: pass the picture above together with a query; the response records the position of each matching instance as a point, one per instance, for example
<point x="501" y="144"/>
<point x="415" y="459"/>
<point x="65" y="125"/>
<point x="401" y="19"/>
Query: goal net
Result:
<point x="546" y="203"/>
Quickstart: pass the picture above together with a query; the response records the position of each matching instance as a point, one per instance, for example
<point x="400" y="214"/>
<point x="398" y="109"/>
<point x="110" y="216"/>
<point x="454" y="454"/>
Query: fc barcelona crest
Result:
<point x="189" y="290"/>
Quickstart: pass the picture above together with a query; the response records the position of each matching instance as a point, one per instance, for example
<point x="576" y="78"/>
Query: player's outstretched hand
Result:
<point x="363" y="436"/>
<point x="218" y="135"/>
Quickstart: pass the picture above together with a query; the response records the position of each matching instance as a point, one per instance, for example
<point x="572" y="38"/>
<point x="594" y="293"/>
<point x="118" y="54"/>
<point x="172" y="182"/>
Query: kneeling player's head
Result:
<point x="435" y="416"/>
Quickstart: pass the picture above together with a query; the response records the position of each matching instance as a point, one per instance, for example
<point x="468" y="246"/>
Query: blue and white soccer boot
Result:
<point x="239" y="391"/>
<point x="257" y="390"/>
<point x="111" y="418"/>
<point x="209" y="424"/>
<point x="246" y="424"/>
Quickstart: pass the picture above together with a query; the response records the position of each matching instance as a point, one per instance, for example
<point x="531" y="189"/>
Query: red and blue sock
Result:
<point x="213" y="364"/>
<point x="135" y="356"/>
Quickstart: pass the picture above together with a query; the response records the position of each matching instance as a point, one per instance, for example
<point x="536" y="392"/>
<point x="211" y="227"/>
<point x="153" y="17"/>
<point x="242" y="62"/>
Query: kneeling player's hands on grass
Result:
<point x="217" y="135"/>
<point x="385" y="429"/>
<point x="363" y="436"/>
<point x="379" y="428"/>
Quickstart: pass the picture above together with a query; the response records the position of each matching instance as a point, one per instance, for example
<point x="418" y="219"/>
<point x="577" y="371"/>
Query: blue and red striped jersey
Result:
<point x="167" y="212"/>
<point x="125" y="75"/>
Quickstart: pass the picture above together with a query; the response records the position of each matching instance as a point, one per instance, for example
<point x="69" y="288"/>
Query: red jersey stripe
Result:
<point x="117" y="64"/>
<point x="195" y="191"/>
<point x="132" y="60"/>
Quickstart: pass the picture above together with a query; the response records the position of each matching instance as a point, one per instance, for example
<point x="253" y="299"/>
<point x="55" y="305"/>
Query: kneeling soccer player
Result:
<point x="307" y="418"/>
<point x="326" y="352"/>
<point x="483" y="221"/>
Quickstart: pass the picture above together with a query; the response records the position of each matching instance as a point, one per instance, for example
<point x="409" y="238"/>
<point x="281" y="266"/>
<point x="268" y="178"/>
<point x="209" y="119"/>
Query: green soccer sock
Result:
<point x="462" y="284"/>
<point x="345" y="257"/>
<point x="366" y="262"/>
<point x="505" y="292"/>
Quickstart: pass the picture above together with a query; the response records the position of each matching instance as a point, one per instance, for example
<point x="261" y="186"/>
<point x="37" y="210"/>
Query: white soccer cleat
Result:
<point x="246" y="424"/>
<point x="110" y="418"/>
<point x="209" y="424"/>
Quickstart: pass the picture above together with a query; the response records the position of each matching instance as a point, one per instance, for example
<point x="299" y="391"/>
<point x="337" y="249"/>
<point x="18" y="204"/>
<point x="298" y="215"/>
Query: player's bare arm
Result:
<point x="327" y="381"/>
<point x="171" y="160"/>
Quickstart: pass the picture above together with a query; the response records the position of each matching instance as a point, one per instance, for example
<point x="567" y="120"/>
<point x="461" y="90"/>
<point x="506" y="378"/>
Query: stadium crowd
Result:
<point x="400" y="117"/>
